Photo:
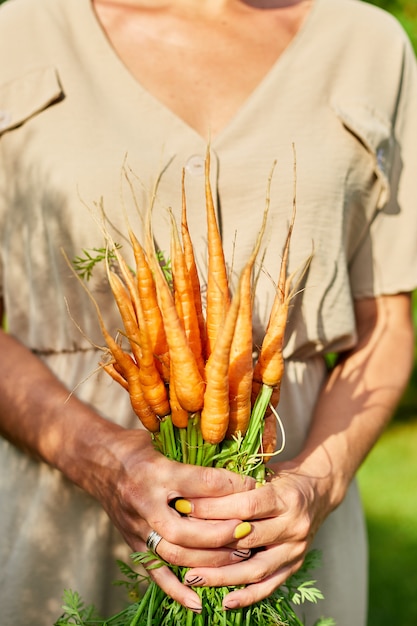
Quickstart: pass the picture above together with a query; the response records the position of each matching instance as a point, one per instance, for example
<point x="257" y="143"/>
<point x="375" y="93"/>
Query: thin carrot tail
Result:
<point x="110" y="369"/>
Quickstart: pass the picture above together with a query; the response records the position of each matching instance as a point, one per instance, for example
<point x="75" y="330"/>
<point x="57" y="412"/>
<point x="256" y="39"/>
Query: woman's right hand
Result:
<point x="120" y="468"/>
<point x="136" y="484"/>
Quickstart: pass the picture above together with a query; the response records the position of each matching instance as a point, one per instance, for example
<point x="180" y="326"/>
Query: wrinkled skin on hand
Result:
<point x="285" y="514"/>
<point x="136" y="489"/>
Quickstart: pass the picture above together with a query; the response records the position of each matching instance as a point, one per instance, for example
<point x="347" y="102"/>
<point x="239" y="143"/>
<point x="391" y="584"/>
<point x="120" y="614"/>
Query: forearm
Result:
<point x="38" y="415"/>
<point x="359" y="398"/>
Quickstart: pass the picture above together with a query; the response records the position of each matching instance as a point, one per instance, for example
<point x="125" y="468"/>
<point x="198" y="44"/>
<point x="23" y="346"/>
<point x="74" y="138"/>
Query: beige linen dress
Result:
<point x="71" y="118"/>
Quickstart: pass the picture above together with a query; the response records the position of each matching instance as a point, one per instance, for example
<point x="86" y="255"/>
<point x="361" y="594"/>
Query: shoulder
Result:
<point x="29" y="30"/>
<point x="19" y="14"/>
<point x="364" y="48"/>
<point x="365" y="22"/>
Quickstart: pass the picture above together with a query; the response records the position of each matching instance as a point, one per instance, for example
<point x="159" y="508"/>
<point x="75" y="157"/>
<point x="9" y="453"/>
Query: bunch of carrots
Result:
<point x="192" y="366"/>
<point x="191" y="378"/>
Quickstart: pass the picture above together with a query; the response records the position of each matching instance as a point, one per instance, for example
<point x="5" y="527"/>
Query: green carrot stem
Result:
<point x="252" y="439"/>
<point x="289" y="608"/>
<point x="193" y="426"/>
<point x="168" y="437"/>
<point x="143" y="604"/>
<point x="259" y="473"/>
<point x="184" y="445"/>
<point x="190" y="618"/>
<point x="200" y="445"/>
<point x="151" y="605"/>
<point x="209" y="452"/>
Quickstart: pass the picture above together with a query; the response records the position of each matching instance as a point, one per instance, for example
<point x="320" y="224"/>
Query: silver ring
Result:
<point x="153" y="540"/>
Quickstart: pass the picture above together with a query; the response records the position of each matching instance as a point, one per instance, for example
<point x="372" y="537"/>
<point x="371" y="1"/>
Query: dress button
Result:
<point x="5" y="119"/>
<point x="195" y="165"/>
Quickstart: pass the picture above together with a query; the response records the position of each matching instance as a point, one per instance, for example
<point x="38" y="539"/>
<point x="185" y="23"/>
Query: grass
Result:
<point x="388" y="483"/>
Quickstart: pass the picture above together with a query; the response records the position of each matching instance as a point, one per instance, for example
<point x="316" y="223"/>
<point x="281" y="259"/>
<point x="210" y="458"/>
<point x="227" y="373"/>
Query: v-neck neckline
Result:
<point x="116" y="66"/>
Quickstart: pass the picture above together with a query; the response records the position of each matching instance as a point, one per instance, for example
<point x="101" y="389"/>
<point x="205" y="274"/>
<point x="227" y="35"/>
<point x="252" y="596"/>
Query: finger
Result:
<point x="207" y="482"/>
<point x="190" y="532"/>
<point x="175" y="555"/>
<point x="258" y="568"/>
<point x="259" y="591"/>
<point x="169" y="583"/>
<point x="189" y="557"/>
<point x="254" y="504"/>
<point x="278" y="530"/>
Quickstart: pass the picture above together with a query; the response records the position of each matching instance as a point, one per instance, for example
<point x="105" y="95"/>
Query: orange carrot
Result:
<point x="125" y="366"/>
<point x="218" y="296"/>
<point x="153" y="387"/>
<point x="215" y="413"/>
<point x="179" y="416"/>
<point x="137" y="399"/>
<point x="127" y="312"/>
<point x="152" y="384"/>
<point x="184" y="297"/>
<point x="189" y="383"/>
<point x="151" y="312"/>
<point x="110" y="369"/>
<point x="270" y="365"/>
<point x="241" y="354"/>
<point x="269" y="368"/>
<point x="130" y="372"/>
<point x="192" y="268"/>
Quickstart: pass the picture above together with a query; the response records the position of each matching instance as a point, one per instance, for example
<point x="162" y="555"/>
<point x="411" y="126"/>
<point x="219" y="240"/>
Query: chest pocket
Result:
<point x="374" y="131"/>
<point x="27" y="96"/>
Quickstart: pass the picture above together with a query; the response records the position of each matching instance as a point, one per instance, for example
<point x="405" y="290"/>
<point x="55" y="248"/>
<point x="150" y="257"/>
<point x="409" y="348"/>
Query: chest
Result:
<point x="202" y="69"/>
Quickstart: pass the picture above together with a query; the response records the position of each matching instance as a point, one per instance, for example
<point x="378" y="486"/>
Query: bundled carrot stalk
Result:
<point x="190" y="376"/>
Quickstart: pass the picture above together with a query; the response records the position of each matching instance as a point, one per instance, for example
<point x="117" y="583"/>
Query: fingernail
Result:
<point x="195" y="609"/>
<point x="231" y="604"/>
<point x="242" y="554"/>
<point x="183" y="506"/>
<point x="194" y="580"/>
<point x="242" y="530"/>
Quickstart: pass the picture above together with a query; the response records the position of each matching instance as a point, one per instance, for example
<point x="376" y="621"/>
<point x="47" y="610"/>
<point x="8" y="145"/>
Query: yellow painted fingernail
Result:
<point x="183" y="506"/>
<point x="242" y="530"/>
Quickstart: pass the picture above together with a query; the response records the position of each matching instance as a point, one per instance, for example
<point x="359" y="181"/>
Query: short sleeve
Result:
<point x="386" y="261"/>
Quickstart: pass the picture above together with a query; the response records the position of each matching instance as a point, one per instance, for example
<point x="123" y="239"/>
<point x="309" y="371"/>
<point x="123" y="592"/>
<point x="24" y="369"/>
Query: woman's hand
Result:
<point x="284" y="515"/>
<point x="118" y="467"/>
<point x="136" y="484"/>
<point x="353" y="408"/>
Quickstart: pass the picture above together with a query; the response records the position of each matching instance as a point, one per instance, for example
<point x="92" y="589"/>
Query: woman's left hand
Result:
<point x="284" y="514"/>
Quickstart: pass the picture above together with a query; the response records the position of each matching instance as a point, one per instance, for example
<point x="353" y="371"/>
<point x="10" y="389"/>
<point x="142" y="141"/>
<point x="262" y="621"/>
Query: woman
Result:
<point x="91" y="88"/>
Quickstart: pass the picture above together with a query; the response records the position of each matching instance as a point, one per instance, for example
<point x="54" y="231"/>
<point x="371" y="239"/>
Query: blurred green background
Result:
<point x="388" y="478"/>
